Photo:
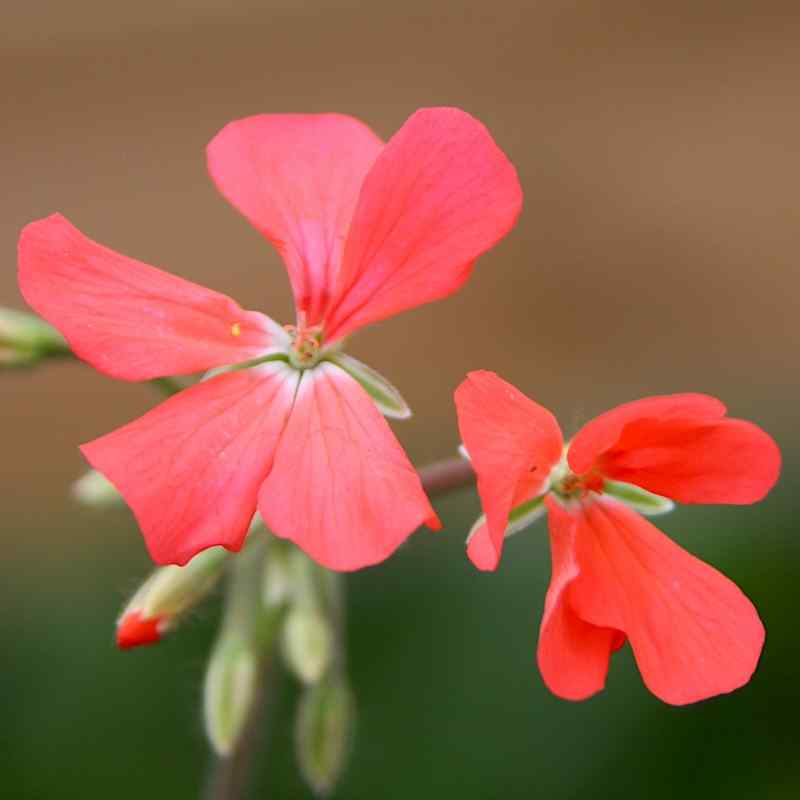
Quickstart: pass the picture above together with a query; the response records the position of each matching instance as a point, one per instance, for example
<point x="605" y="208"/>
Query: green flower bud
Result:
<point x="324" y="732"/>
<point x="309" y="634"/>
<point x="166" y="596"/>
<point x="95" y="490"/>
<point x="25" y="339"/>
<point x="278" y="582"/>
<point x="230" y="691"/>
<point x="242" y="650"/>
<point x="308" y="643"/>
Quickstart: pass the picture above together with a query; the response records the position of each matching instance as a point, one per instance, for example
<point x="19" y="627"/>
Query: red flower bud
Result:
<point x="134" y="630"/>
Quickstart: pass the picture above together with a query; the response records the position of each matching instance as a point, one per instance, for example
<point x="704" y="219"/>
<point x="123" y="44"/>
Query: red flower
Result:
<point x="366" y="231"/>
<point x="615" y="576"/>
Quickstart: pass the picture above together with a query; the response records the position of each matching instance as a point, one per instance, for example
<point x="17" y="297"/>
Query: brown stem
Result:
<point x="446" y="475"/>
<point x="229" y="776"/>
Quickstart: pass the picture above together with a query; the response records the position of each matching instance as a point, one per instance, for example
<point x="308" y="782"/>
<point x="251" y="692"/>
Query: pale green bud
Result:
<point x="95" y="490"/>
<point x="230" y="691"/>
<point x="308" y="643"/>
<point x="167" y="595"/>
<point x="173" y="590"/>
<point x="324" y="732"/>
<point x="25" y="339"/>
<point x="279" y="579"/>
<point x="242" y="649"/>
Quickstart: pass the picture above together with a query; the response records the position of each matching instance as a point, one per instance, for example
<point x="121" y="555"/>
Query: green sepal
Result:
<point x="647" y="503"/>
<point x="389" y="401"/>
<point x="520" y="518"/>
<point x="254" y="362"/>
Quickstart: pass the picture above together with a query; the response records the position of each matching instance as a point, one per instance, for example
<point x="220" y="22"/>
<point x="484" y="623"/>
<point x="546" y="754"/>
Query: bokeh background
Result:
<point x="657" y="143"/>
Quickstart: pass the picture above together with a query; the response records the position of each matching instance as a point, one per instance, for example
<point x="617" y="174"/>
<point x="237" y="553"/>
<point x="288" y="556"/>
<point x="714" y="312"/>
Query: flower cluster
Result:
<point x="279" y="420"/>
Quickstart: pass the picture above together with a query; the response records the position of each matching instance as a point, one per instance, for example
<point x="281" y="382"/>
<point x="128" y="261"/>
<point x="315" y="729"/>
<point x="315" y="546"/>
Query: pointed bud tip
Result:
<point x="134" y="630"/>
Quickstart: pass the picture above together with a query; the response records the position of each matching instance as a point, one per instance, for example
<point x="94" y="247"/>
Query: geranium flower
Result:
<point x="616" y="577"/>
<point x="365" y="231"/>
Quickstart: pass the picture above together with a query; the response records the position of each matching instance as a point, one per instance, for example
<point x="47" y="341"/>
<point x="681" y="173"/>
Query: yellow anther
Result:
<point x="236" y="329"/>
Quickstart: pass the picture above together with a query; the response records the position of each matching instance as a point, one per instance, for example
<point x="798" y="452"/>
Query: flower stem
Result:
<point x="230" y="776"/>
<point x="446" y="476"/>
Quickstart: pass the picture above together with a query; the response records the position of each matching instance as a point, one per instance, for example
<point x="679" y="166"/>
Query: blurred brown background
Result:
<point x="657" y="144"/>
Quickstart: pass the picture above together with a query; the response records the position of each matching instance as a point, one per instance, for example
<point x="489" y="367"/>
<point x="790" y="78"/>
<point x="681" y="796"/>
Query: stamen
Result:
<point x="306" y="343"/>
<point x="236" y="329"/>
<point x="567" y="485"/>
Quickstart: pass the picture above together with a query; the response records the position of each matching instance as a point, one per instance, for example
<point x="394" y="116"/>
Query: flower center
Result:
<point x="305" y="345"/>
<point x="570" y="486"/>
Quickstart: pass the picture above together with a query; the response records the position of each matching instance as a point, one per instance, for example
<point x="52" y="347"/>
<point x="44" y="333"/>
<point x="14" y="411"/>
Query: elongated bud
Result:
<point x="166" y="596"/>
<point x="231" y="686"/>
<point x="242" y="650"/>
<point x="278" y="582"/>
<point x="95" y="490"/>
<point x="308" y="635"/>
<point x="324" y="732"/>
<point x="308" y="643"/>
<point x="25" y="339"/>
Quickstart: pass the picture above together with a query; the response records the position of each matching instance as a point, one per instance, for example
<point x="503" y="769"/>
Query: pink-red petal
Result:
<point x="296" y="178"/>
<point x="680" y="446"/>
<point x="693" y="632"/>
<point x="573" y="655"/>
<point x="513" y="444"/>
<point x="440" y="194"/>
<point x="191" y="468"/>
<point x="130" y="320"/>
<point x="341" y="486"/>
<point x="603" y="432"/>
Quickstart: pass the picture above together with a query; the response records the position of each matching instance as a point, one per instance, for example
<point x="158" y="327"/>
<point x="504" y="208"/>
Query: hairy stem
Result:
<point x="230" y="776"/>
